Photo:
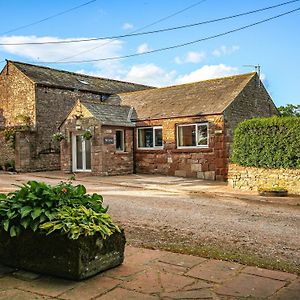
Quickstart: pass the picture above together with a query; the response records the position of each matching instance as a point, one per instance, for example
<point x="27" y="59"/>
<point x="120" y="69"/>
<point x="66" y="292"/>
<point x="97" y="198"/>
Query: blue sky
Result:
<point x="274" y="45"/>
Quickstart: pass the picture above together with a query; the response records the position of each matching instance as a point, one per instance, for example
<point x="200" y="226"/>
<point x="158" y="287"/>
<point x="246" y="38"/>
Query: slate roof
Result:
<point x="199" y="98"/>
<point x="69" y="80"/>
<point x="108" y="114"/>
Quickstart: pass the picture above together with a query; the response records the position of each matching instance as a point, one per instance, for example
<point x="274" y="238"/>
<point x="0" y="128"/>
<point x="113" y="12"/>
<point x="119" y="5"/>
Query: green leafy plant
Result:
<point x="9" y="165"/>
<point x="290" y="110"/>
<point x="37" y="203"/>
<point x="268" y="143"/>
<point x="87" y="135"/>
<point x="80" y="221"/>
<point x="58" y="136"/>
<point x="10" y="135"/>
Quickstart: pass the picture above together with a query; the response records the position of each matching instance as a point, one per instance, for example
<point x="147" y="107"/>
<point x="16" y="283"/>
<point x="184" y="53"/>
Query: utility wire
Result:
<point x="178" y="45"/>
<point x="48" y="18"/>
<point x="137" y="30"/>
<point x="153" y="31"/>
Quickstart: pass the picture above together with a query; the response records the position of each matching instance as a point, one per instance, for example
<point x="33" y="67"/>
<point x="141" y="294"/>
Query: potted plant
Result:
<point x="87" y="135"/>
<point x="58" y="230"/>
<point x="58" y="136"/>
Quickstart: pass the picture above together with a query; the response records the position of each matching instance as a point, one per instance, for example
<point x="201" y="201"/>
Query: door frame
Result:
<point x="74" y="155"/>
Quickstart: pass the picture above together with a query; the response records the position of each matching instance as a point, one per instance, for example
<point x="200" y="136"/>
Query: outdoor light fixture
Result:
<point x="78" y="124"/>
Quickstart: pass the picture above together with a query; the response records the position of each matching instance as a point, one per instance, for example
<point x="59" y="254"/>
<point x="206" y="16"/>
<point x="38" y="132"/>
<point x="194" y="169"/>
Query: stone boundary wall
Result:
<point x="251" y="178"/>
<point x="7" y="152"/>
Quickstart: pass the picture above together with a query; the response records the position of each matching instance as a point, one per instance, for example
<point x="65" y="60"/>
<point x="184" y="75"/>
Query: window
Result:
<point x="192" y="135"/>
<point x="120" y="140"/>
<point x="150" y="137"/>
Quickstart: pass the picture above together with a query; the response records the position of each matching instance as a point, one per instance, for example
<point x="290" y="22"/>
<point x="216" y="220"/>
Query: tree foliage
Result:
<point x="289" y="110"/>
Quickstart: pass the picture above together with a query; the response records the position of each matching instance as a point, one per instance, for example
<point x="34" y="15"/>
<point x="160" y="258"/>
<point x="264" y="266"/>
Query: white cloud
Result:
<point x="207" y="72"/>
<point x="127" y="26"/>
<point x="150" y="74"/>
<point x="225" y="50"/>
<point x="191" y="57"/>
<point x="143" y="48"/>
<point x="55" y="52"/>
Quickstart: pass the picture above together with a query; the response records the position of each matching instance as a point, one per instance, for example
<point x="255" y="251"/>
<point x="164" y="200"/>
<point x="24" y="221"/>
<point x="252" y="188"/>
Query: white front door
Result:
<point x="81" y="154"/>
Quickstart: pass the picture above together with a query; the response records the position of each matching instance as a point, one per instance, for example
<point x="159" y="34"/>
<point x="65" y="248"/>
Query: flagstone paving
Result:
<point x="157" y="275"/>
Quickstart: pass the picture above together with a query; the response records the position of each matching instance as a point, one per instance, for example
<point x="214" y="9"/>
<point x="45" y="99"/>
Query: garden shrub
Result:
<point x="65" y="208"/>
<point x="267" y="142"/>
<point x="10" y="165"/>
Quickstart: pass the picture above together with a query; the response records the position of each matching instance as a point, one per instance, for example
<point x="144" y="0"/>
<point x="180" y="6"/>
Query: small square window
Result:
<point x="150" y="137"/>
<point x="120" y="140"/>
<point x="192" y="135"/>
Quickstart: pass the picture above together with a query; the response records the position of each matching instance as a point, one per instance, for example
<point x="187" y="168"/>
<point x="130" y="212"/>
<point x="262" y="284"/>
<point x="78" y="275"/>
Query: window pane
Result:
<point x="79" y="156"/>
<point x="202" y="135"/>
<point x="158" y="137"/>
<point x="120" y="140"/>
<point x="88" y="154"/>
<point x="187" y="136"/>
<point x="145" y="138"/>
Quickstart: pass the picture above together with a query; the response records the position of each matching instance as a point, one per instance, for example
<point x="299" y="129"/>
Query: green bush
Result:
<point x="66" y="208"/>
<point x="268" y="143"/>
<point x="9" y="165"/>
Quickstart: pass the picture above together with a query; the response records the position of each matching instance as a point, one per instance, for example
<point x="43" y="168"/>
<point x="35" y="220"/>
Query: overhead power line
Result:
<point x="48" y="18"/>
<point x="178" y="45"/>
<point x="153" y="31"/>
<point x="137" y="30"/>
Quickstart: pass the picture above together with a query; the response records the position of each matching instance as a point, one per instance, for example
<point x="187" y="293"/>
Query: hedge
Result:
<point x="267" y="142"/>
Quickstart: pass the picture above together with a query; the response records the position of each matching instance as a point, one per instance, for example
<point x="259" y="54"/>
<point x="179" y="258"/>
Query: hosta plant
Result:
<point x="38" y="206"/>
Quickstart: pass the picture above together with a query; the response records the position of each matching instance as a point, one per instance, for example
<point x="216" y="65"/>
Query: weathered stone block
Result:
<point x="200" y="175"/>
<point x="59" y="256"/>
<point x="196" y="167"/>
<point x="180" y="173"/>
<point x="210" y="175"/>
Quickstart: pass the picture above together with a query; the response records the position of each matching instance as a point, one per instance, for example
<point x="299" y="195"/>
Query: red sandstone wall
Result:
<point x="210" y="163"/>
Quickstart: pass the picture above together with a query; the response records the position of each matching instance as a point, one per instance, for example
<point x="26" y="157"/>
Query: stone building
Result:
<point x="111" y="127"/>
<point x="186" y="130"/>
<point x="34" y="100"/>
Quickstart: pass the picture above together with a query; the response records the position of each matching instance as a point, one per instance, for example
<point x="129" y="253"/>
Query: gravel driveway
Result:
<point x="251" y="232"/>
<point x="268" y="233"/>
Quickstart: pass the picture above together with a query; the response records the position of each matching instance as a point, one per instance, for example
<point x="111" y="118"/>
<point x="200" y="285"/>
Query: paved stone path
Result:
<point x="153" y="274"/>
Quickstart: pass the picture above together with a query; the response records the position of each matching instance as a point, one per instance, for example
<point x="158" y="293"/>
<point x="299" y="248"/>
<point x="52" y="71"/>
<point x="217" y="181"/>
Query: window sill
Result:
<point x="122" y="152"/>
<point x="192" y="147"/>
<point x="150" y="150"/>
<point x="194" y="150"/>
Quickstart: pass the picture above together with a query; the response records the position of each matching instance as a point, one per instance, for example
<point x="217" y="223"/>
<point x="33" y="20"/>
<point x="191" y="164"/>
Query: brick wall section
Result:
<point x="199" y="163"/>
<point x="251" y="178"/>
<point x="105" y="159"/>
<point x="253" y="101"/>
<point x="17" y="97"/>
<point x="53" y="104"/>
<point x="115" y="162"/>
<point x="7" y="152"/>
<point x="26" y="157"/>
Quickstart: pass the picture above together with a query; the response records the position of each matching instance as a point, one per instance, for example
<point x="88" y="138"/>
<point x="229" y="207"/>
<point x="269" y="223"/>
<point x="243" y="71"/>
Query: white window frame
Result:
<point x="196" y="146"/>
<point x="153" y="130"/>
<point x="123" y="134"/>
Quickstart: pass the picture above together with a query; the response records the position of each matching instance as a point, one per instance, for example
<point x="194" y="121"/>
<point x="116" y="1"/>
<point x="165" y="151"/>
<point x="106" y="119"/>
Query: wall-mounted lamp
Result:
<point x="78" y="124"/>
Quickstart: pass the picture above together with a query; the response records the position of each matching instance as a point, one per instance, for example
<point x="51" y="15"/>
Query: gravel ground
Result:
<point x="226" y="227"/>
<point x="270" y="232"/>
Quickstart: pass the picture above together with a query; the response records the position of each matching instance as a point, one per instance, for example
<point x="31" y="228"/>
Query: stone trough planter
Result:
<point x="59" y="256"/>
<point x="273" y="193"/>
